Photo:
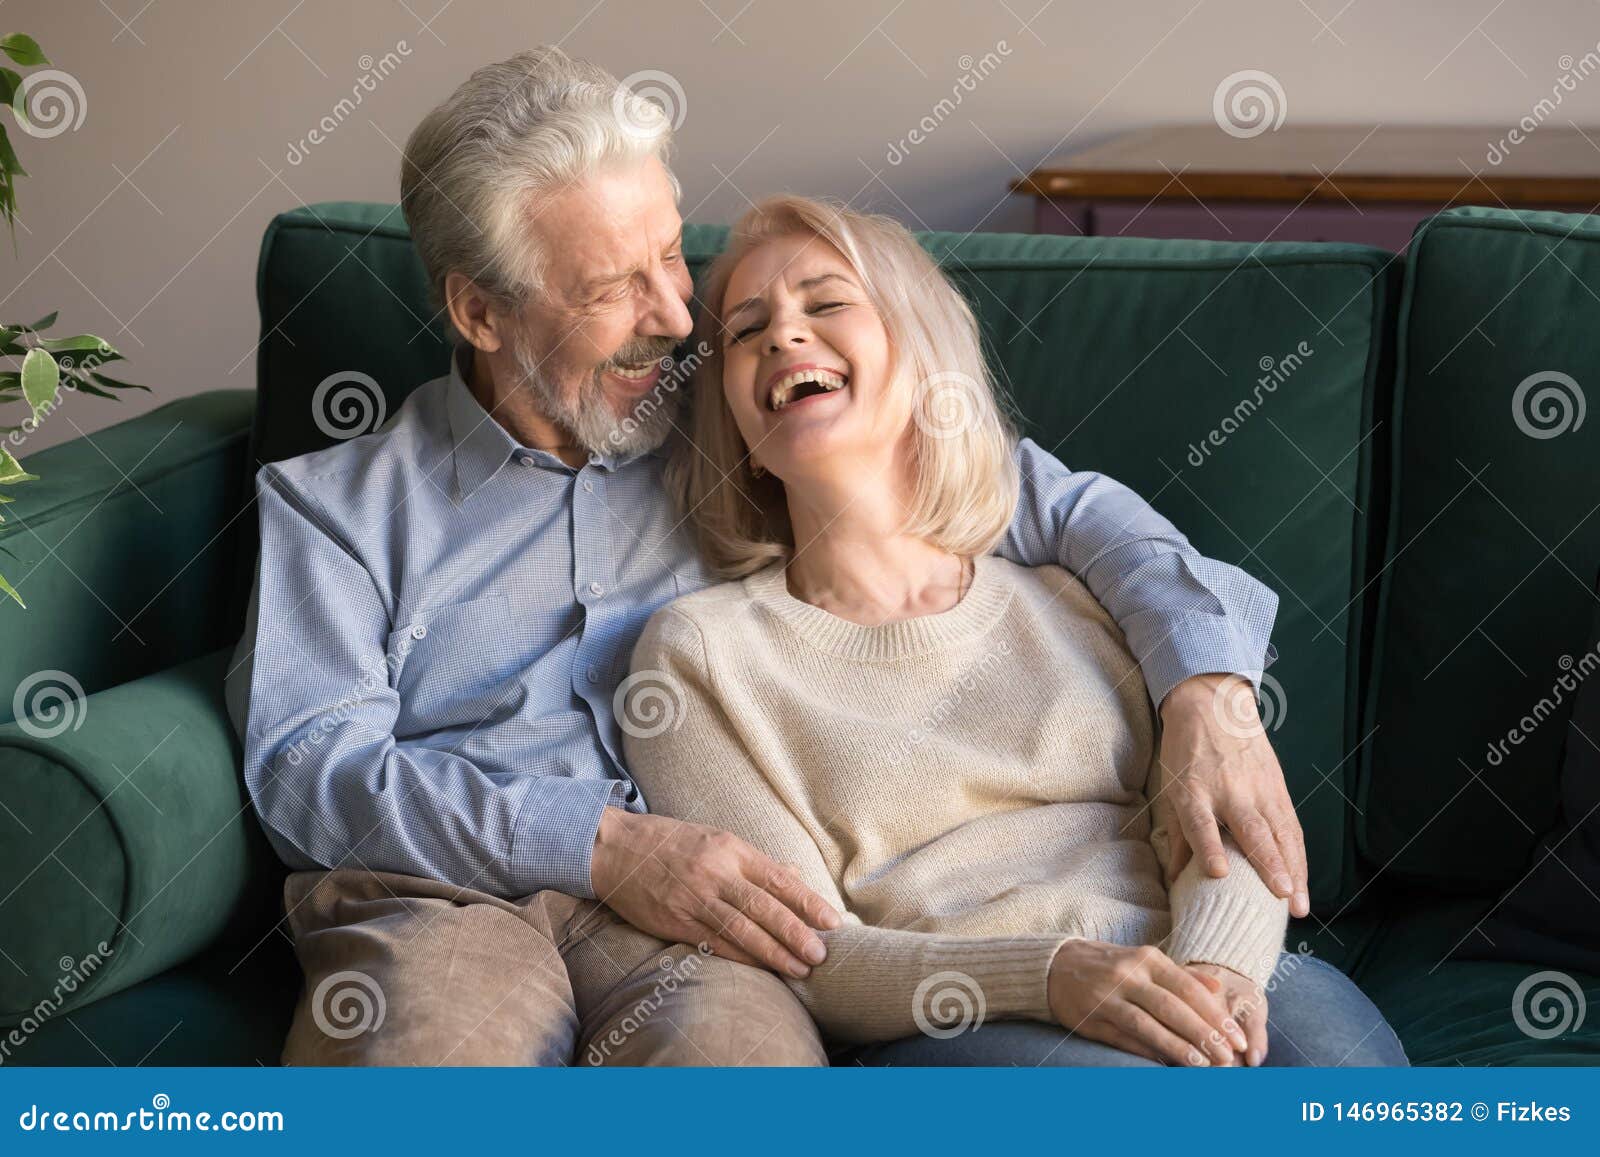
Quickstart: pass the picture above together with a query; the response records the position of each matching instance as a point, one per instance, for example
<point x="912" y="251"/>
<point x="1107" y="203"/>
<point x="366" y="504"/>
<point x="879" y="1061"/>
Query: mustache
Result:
<point x="639" y="351"/>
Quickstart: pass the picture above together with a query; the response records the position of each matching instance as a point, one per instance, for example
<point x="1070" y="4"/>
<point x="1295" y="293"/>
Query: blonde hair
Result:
<point x="964" y="492"/>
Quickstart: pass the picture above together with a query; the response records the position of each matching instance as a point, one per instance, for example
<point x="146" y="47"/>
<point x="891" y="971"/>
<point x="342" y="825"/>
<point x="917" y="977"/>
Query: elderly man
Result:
<point x="429" y="686"/>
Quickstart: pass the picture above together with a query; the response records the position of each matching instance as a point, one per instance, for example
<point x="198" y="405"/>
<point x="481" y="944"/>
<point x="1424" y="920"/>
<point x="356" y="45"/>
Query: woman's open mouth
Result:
<point x="803" y="383"/>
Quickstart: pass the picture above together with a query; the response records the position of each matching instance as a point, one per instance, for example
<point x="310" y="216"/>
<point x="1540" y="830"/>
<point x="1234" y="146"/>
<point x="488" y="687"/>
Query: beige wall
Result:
<point x="143" y="224"/>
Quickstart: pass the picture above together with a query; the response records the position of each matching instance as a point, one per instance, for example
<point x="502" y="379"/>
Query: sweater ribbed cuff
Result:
<point x="1015" y="979"/>
<point x="1224" y="927"/>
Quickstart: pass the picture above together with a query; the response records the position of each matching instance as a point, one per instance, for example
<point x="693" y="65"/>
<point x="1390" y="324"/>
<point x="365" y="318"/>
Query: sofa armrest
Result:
<point x="127" y="841"/>
<point x="131" y="549"/>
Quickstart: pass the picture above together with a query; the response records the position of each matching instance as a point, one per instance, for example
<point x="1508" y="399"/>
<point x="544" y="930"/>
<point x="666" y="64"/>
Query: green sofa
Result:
<point x="1334" y="419"/>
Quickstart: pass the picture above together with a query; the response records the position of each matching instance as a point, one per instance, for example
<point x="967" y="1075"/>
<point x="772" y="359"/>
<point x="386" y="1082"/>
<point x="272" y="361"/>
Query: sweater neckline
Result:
<point x="986" y="598"/>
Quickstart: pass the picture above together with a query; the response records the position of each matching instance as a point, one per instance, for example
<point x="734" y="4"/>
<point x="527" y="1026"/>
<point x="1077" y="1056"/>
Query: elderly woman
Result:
<point x="955" y="751"/>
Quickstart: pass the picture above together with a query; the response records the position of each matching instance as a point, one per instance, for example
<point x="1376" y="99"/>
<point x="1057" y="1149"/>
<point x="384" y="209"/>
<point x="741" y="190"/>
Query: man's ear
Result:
<point x="474" y="314"/>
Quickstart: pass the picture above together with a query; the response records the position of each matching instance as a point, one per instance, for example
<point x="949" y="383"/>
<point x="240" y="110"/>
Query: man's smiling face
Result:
<point x="612" y="307"/>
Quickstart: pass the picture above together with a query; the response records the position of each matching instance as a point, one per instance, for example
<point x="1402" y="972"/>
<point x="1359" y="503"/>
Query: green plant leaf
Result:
<point x="113" y="383"/>
<point x="41" y="380"/>
<point x="83" y="341"/>
<point x="8" y="157"/>
<point x="10" y="81"/>
<point x="12" y="591"/>
<point x="11" y="470"/>
<point x="23" y="49"/>
<point x="44" y="322"/>
<point x="85" y="386"/>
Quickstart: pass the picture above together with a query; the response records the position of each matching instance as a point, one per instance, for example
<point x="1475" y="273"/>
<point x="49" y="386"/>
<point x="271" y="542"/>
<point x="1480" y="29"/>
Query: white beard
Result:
<point x="590" y="420"/>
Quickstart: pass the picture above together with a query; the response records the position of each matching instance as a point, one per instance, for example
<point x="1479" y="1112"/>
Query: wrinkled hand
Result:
<point x="1223" y="769"/>
<point x="1246" y="1002"/>
<point x="1142" y="1002"/>
<point x="691" y="884"/>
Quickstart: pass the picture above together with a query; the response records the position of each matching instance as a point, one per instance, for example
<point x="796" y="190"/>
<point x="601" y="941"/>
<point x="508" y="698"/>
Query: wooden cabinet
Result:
<point x="1364" y="183"/>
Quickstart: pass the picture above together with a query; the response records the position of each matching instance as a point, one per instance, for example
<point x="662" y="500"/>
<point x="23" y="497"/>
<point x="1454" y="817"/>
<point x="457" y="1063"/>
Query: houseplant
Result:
<point x="42" y="368"/>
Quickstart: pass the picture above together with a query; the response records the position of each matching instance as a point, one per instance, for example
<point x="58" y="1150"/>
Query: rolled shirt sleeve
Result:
<point x="1183" y="614"/>
<point x="332" y="784"/>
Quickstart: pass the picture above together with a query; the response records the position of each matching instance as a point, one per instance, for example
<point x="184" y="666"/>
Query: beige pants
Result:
<point x="405" y="971"/>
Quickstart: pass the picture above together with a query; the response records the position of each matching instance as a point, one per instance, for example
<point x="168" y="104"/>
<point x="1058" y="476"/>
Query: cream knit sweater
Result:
<point x="968" y="788"/>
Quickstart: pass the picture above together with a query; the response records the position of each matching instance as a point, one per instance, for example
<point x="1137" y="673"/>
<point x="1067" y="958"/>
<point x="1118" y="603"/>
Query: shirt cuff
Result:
<point x="555" y="832"/>
<point x="1202" y="643"/>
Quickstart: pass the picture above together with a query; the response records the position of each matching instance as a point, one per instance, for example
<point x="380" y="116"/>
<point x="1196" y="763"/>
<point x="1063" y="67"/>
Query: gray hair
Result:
<point x="514" y="134"/>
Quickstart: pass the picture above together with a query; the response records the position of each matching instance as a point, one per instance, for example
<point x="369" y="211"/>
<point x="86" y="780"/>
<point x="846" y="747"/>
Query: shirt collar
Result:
<point x="481" y="445"/>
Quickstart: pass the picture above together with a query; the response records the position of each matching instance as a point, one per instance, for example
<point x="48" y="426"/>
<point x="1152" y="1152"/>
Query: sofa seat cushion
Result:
<point x="1449" y="1011"/>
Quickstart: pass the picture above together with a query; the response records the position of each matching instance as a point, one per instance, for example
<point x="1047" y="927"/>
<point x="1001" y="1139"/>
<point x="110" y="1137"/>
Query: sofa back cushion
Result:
<point x="1232" y="385"/>
<point x="1495" y="538"/>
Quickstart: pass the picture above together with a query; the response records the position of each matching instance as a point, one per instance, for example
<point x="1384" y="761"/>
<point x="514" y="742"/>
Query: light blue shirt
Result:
<point x="442" y="618"/>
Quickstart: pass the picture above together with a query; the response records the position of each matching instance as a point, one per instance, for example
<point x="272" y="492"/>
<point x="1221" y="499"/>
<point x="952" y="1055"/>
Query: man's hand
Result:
<point x="1223" y="768"/>
<point x="691" y="884"/>
<point x="1247" y="1005"/>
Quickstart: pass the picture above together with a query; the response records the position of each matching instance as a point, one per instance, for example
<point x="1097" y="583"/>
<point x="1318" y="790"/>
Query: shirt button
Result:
<point x="593" y="673"/>
<point x="596" y="589"/>
<point x="419" y="632"/>
<point x="588" y="486"/>
<point x="526" y="460"/>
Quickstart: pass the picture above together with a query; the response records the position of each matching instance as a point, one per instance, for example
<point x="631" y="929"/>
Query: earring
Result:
<point x="757" y="470"/>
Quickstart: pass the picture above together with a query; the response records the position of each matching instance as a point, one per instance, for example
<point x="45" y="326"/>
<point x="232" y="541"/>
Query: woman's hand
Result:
<point x="1142" y="1002"/>
<point x="1245" y="1000"/>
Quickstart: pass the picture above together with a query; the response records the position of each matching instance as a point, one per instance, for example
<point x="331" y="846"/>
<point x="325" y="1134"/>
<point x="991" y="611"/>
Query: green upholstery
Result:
<point x="1338" y="486"/>
<point x="1494" y="542"/>
<point x="130" y="828"/>
<point x="122" y="546"/>
<point x="1086" y="332"/>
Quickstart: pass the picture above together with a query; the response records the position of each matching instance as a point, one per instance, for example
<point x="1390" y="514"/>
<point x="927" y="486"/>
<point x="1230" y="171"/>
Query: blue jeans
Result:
<point x="1316" y="1016"/>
